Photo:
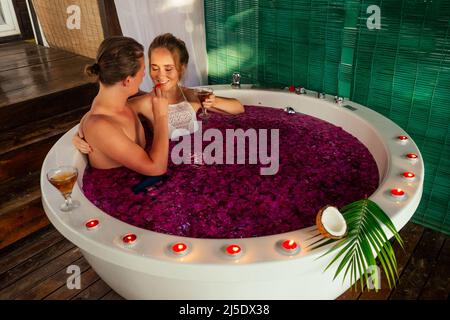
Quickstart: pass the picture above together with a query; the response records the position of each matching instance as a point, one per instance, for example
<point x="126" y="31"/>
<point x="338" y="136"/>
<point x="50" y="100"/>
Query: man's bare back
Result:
<point x="125" y="121"/>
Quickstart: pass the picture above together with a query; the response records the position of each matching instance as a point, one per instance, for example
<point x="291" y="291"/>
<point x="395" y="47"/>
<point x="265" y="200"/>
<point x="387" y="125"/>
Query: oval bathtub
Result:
<point x="147" y="268"/>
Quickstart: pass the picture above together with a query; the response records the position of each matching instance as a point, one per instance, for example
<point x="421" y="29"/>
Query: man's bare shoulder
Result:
<point x="98" y="123"/>
<point x="139" y="102"/>
<point x="140" y="98"/>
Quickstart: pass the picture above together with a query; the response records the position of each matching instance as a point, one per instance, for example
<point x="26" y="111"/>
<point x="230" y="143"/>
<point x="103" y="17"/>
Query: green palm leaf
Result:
<point x="365" y="242"/>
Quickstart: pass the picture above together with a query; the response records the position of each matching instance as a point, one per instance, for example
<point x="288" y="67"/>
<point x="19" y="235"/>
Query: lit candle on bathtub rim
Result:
<point x="402" y="139"/>
<point x="412" y="157"/>
<point x="233" y="251"/>
<point x="288" y="247"/>
<point x="409" y="176"/>
<point x="398" y="193"/>
<point x="92" y="224"/>
<point x="179" y="249"/>
<point x="129" y="239"/>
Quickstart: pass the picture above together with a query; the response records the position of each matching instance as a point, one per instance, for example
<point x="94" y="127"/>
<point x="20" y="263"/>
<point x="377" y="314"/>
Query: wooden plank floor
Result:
<point x="28" y="71"/>
<point x="36" y="268"/>
<point x="37" y="83"/>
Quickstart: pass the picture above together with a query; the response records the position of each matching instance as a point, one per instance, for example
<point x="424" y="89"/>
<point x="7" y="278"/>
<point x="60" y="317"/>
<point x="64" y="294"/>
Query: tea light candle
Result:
<point x="129" y="239"/>
<point x="233" y="250"/>
<point x="402" y="139"/>
<point x="412" y="157"/>
<point x="410" y="176"/>
<point x="288" y="247"/>
<point x="92" y="224"/>
<point x="398" y="193"/>
<point x="180" y="249"/>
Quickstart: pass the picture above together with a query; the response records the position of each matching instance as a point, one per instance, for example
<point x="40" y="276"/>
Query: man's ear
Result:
<point x="127" y="81"/>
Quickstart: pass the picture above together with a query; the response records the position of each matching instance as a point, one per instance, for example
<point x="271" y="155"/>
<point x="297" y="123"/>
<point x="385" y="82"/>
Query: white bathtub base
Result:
<point x="134" y="285"/>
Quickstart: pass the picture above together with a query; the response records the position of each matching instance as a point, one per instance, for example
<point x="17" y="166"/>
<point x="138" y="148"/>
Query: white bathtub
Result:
<point x="148" y="270"/>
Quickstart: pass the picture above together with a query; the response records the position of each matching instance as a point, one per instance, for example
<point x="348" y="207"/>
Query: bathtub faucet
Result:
<point x="300" y="90"/>
<point x="290" y="110"/>
<point x="236" y="80"/>
<point x="338" y="99"/>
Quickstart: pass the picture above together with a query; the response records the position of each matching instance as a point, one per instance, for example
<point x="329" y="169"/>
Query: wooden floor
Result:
<point x="28" y="71"/>
<point x="36" y="268"/>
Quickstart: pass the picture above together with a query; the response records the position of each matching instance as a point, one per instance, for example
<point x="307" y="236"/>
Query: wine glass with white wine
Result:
<point x="63" y="178"/>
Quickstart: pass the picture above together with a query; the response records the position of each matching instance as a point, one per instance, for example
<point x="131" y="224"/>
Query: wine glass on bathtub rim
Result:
<point x="63" y="178"/>
<point x="203" y="93"/>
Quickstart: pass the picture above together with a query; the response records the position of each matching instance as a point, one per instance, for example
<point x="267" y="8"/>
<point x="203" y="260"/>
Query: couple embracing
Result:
<point x="111" y="132"/>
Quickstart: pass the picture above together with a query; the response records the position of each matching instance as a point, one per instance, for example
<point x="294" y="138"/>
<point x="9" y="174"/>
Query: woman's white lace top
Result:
<point x="182" y="119"/>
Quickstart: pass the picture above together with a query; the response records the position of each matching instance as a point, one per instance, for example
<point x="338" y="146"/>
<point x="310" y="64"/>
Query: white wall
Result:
<point x="143" y="20"/>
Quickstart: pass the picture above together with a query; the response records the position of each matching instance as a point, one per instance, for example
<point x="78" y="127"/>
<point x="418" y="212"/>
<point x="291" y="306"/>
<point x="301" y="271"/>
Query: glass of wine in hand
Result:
<point x="63" y="178"/>
<point x="203" y="94"/>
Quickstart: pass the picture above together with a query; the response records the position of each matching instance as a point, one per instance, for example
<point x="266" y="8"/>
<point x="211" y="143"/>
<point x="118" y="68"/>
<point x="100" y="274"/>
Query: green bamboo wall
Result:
<point x="401" y="70"/>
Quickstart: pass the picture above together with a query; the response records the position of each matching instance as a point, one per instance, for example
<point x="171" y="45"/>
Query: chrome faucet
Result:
<point x="300" y="90"/>
<point x="290" y="110"/>
<point x="236" y="80"/>
<point x="338" y="99"/>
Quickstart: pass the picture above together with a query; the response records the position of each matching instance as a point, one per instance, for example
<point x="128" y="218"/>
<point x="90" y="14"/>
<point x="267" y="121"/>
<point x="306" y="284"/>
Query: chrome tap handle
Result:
<point x="338" y="99"/>
<point x="300" y="90"/>
<point x="236" y="79"/>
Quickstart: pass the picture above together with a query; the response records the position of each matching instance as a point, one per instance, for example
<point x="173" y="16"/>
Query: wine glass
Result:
<point x="203" y="94"/>
<point x="63" y="178"/>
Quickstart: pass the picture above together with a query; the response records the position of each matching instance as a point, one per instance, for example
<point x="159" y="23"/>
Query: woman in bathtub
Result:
<point x="112" y="127"/>
<point x="168" y="62"/>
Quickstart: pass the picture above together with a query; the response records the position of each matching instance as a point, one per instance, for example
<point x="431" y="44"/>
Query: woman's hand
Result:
<point x="223" y="105"/>
<point x="78" y="139"/>
<point x="210" y="102"/>
<point x="160" y="104"/>
<point x="81" y="144"/>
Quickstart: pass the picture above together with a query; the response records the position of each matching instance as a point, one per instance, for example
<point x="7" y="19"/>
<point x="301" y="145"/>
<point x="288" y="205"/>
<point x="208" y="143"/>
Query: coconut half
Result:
<point x="331" y="223"/>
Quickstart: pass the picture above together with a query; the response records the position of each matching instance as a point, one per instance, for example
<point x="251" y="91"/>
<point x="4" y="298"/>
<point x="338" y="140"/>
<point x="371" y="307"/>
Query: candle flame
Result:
<point x="233" y="249"/>
<point x="129" y="238"/>
<point x="92" y="223"/>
